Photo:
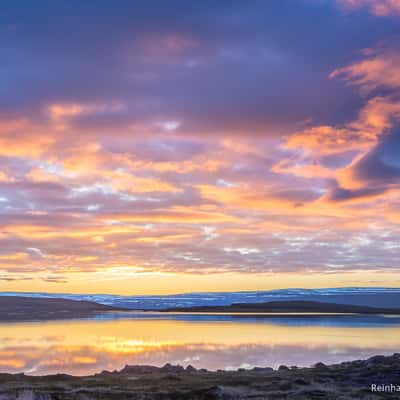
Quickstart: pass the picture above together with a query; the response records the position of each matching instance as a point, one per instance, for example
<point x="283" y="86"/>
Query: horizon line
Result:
<point x="205" y="292"/>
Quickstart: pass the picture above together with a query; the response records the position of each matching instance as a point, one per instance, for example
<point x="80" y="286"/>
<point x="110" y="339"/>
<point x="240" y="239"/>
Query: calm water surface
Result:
<point x="109" y="342"/>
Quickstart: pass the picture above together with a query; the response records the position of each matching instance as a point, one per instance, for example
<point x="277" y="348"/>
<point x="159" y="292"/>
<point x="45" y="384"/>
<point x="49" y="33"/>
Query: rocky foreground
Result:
<point x="345" y="381"/>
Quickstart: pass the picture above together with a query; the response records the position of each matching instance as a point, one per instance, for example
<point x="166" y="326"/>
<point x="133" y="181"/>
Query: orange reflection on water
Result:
<point x="84" y="347"/>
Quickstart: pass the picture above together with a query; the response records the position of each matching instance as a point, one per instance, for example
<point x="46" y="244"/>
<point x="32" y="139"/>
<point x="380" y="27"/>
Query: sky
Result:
<point x="162" y="147"/>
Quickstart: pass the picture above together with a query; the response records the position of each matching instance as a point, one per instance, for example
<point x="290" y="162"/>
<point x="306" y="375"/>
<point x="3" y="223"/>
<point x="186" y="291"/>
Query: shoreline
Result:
<point x="347" y="380"/>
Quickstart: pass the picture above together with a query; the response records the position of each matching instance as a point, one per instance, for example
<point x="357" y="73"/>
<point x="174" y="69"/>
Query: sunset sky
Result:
<point x="169" y="146"/>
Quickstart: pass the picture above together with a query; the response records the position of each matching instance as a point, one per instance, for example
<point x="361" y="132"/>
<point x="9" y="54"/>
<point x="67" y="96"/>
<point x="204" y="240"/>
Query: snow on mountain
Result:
<point x="371" y="296"/>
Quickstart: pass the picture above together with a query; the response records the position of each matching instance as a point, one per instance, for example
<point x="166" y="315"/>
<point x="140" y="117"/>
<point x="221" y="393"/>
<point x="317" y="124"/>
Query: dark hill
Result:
<point x="16" y="308"/>
<point x="288" y="307"/>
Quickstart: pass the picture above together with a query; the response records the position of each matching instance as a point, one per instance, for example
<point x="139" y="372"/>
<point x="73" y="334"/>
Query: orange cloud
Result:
<point x="5" y="178"/>
<point x="176" y="214"/>
<point x="127" y="182"/>
<point x="381" y="68"/>
<point x="374" y="118"/>
<point x="330" y="140"/>
<point x="23" y="138"/>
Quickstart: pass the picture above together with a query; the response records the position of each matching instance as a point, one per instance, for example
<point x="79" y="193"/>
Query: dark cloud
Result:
<point x="341" y="194"/>
<point x="230" y="65"/>
<point x="382" y="164"/>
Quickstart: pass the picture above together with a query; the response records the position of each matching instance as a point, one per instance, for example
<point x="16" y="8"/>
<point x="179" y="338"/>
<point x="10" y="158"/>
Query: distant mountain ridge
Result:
<point x="362" y="296"/>
<point x="290" y="307"/>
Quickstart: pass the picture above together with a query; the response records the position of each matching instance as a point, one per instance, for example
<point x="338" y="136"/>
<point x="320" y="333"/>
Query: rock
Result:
<point x="172" y="368"/>
<point x="190" y="368"/>
<point x="316" y="394"/>
<point x="227" y="393"/>
<point x="172" y="377"/>
<point x="139" y="369"/>
<point x="284" y="385"/>
<point x="263" y="369"/>
<point x="320" y="365"/>
<point x="31" y="395"/>
<point x="373" y="361"/>
<point x="105" y="373"/>
<point x="343" y="381"/>
<point x="301" y="381"/>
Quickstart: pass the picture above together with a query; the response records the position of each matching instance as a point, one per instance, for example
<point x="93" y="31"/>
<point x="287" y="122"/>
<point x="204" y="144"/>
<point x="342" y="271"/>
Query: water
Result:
<point x="82" y="347"/>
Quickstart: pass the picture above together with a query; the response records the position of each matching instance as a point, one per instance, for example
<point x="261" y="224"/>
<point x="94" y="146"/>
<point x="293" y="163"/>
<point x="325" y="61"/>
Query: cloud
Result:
<point x="364" y="148"/>
<point x="125" y="141"/>
<point x="152" y="67"/>
<point x="330" y="140"/>
<point x="380" y="69"/>
<point x="379" y="8"/>
<point x="340" y="194"/>
<point x="378" y="168"/>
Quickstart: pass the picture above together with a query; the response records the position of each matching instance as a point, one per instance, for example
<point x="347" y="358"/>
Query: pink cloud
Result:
<point x="377" y="7"/>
